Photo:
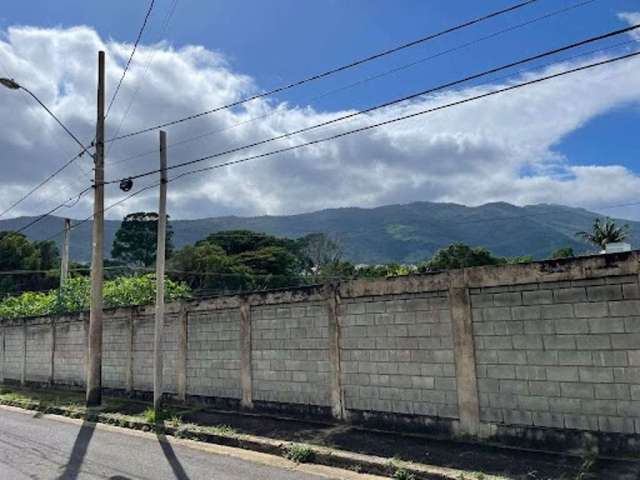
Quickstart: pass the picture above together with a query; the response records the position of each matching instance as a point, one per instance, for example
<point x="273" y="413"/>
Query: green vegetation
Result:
<point x="299" y="453"/>
<point x="403" y="474"/>
<point x="564" y="252"/>
<point x="604" y="232"/>
<point x="136" y="239"/>
<point x="74" y="296"/>
<point x="19" y="256"/>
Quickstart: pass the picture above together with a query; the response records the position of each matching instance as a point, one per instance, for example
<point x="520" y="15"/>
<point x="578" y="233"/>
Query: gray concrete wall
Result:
<point x="548" y="346"/>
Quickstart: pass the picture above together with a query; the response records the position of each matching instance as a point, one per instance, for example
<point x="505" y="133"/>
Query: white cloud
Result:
<point x="497" y="149"/>
<point x="632" y="18"/>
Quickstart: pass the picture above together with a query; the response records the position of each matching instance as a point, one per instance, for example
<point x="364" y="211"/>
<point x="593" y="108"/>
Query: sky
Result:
<point x="570" y="140"/>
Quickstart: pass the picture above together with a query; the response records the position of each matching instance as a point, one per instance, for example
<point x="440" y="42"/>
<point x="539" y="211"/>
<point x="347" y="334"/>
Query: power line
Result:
<point x="40" y="185"/>
<point x="133" y="52"/>
<point x="134" y="96"/>
<point x="386" y="122"/>
<point x="387" y="104"/>
<point x="332" y="71"/>
<point x="368" y="79"/>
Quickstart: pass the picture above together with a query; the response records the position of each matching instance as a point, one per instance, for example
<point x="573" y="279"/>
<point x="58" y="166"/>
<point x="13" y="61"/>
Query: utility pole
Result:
<point x="94" y="368"/>
<point x="64" y="267"/>
<point x="160" y="260"/>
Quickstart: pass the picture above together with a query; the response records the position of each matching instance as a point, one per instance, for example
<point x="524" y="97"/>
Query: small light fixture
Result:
<point x="10" y="83"/>
<point x="126" y="184"/>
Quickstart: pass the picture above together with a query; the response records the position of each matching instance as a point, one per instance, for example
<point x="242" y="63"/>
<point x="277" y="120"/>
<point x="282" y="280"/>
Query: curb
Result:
<point x="315" y="454"/>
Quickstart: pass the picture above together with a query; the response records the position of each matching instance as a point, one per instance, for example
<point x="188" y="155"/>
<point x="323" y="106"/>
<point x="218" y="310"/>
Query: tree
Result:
<point x="136" y="239"/>
<point x="459" y="255"/>
<point x="18" y="255"/>
<point x="563" y="252"/>
<point x="318" y="251"/>
<point x="604" y="232"/>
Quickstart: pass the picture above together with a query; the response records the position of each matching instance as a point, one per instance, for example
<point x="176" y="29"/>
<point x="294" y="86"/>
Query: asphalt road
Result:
<point x="33" y="447"/>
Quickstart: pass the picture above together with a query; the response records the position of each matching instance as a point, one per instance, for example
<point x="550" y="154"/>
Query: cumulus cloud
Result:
<point x="632" y="18"/>
<point x="497" y="149"/>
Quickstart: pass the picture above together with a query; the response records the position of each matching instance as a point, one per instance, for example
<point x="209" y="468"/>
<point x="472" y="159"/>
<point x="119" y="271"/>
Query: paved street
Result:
<point x="45" y="448"/>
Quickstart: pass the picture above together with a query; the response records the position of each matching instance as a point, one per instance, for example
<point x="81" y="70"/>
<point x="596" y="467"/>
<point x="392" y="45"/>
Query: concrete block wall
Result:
<point x="38" y="356"/>
<point x="213" y="354"/>
<point x="69" y="356"/>
<point x="397" y="355"/>
<point x="560" y="354"/>
<point x="13" y="350"/>
<point x="488" y="351"/>
<point x="290" y="353"/>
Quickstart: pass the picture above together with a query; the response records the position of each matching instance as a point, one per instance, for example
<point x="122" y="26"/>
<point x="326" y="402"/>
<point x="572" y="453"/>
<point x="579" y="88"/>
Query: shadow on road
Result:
<point x="79" y="451"/>
<point x="170" y="455"/>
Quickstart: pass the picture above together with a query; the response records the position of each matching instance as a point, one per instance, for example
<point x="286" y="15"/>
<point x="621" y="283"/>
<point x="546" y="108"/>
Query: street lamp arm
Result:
<point x="13" y="85"/>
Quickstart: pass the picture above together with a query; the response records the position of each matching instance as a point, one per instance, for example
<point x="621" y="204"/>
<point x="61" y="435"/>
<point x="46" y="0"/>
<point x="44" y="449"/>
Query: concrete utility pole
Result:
<point x="94" y="367"/>
<point x="160" y="260"/>
<point x="64" y="266"/>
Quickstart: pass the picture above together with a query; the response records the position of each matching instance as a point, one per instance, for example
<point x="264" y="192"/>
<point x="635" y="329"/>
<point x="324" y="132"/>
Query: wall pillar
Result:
<point x="464" y="353"/>
<point x="130" y="342"/>
<point x="246" y="374"/>
<point x="181" y="359"/>
<point x="335" y="382"/>
<point x="52" y="352"/>
<point x="23" y="374"/>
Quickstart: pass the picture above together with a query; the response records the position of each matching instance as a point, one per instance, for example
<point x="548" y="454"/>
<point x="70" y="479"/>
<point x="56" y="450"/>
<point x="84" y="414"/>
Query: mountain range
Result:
<point x="394" y="233"/>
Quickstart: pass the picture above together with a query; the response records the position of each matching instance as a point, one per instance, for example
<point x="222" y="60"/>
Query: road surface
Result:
<point x="42" y="447"/>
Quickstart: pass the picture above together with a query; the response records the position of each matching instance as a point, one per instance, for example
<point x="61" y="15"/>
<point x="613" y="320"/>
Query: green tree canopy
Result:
<point x="563" y="252"/>
<point x="136" y="239"/>
<point x="18" y="256"/>
<point x="604" y="232"/>
<point x="459" y="255"/>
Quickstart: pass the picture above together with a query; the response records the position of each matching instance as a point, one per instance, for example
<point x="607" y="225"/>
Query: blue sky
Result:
<point x="277" y="41"/>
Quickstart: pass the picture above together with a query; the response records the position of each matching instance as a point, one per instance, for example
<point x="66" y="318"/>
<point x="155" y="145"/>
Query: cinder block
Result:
<point x="496" y="314"/>
<point x="557" y="311"/>
<point x="491" y="415"/>
<point x="606" y="325"/>
<point x="626" y="341"/>
<point x="576" y="390"/>
<point x="507" y="299"/>
<point x="591" y="310"/>
<point x="632" y="325"/>
<point x="512" y="357"/>
<point x="630" y="291"/>
<point x="501" y="372"/>
<point x="614" y="358"/>
<point x="547" y="419"/>
<point x="604" y="293"/>
<point x="559" y="342"/>
<point x="581" y="422"/>
<point x="574" y="358"/>
<point x="536" y="404"/>
<point x="491" y="385"/>
<point x="625" y="308"/>
<point x="593" y="342"/>
<point x="537" y="297"/>
<point x="613" y="391"/>
<point x="514" y="386"/>
<point x="570" y="295"/>
<point x="626" y="374"/>
<point x="536" y="357"/>
<point x="498" y="342"/>
<point x="545" y="389"/>
<point x="518" y="417"/>
<point x="571" y="325"/>
<point x="615" y="424"/>
<point x="538" y="326"/>
<point x="562" y="374"/>
<point x="564" y="405"/>
<point x="375" y="307"/>
<point x="527" y="342"/>
<point x="531" y="312"/>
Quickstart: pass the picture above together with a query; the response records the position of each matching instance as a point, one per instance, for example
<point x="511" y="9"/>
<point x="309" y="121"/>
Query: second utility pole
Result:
<point x="64" y="266"/>
<point x="160" y="258"/>
<point x="94" y="367"/>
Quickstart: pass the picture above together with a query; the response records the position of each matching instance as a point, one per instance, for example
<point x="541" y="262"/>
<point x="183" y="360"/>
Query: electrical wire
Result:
<point x="133" y="52"/>
<point x="332" y="71"/>
<point x="277" y="112"/>
<point x="384" y="123"/>
<point x="380" y="106"/>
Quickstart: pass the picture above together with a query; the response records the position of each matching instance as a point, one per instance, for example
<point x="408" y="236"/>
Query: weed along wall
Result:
<point x="545" y="354"/>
